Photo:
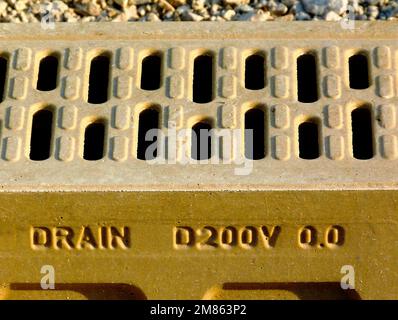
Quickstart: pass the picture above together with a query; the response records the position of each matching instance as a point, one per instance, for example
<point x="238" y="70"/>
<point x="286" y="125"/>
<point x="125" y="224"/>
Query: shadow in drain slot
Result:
<point x="284" y="291"/>
<point x="90" y="291"/>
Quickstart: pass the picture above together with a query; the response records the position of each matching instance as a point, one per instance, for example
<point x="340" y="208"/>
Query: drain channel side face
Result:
<point x="239" y="149"/>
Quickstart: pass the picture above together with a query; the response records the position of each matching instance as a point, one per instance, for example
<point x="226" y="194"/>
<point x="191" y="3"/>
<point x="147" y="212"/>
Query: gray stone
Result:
<point x="190" y="16"/>
<point x="183" y="9"/>
<point x="298" y="7"/>
<point x="301" y="16"/>
<point x="60" y="6"/>
<point x="371" y="2"/>
<point x="321" y="7"/>
<point x="254" y="16"/>
<point x="152" y="17"/>
<point x="278" y="9"/>
<point x="244" y="8"/>
<point x="289" y="3"/>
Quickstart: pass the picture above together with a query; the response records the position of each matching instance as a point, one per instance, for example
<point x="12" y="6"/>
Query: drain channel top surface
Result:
<point x="77" y="103"/>
<point x="310" y="108"/>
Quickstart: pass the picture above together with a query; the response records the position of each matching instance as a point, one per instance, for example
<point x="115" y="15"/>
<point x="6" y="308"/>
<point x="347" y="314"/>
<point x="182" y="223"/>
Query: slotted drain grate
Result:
<point x="74" y="98"/>
<point x="82" y="196"/>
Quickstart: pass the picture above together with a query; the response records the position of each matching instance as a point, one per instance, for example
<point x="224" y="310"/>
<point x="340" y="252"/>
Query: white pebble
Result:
<point x="332" y="16"/>
<point x="228" y="14"/>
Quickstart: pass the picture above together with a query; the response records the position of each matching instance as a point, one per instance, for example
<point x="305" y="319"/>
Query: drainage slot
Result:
<point x="203" y="79"/>
<point x="94" y="138"/>
<point x="3" y="76"/>
<point x="359" y="71"/>
<point x="362" y="133"/>
<point x="201" y="141"/>
<point x="307" y="82"/>
<point x="99" y="80"/>
<point x="41" y="136"/>
<point x="149" y="120"/>
<point x="254" y="134"/>
<point x="308" y="139"/>
<point x="151" y="72"/>
<point x="48" y="73"/>
<point x="255" y="72"/>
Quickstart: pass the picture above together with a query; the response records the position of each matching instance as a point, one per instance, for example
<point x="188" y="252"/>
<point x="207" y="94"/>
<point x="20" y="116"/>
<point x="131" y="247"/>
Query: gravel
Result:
<point x="195" y="10"/>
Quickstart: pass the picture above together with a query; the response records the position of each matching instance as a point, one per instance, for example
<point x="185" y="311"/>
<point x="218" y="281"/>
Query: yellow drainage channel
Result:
<point x="294" y="195"/>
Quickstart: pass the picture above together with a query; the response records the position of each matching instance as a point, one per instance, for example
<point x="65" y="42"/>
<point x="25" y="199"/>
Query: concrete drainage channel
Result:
<point x="319" y="178"/>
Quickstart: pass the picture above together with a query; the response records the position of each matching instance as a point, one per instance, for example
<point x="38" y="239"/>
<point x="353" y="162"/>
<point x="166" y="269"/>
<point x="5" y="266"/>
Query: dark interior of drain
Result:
<point x="94" y="138"/>
<point x="308" y="139"/>
<point x="307" y="82"/>
<point x="40" y="139"/>
<point x="149" y="119"/>
<point x="48" y="73"/>
<point x="3" y="76"/>
<point x="201" y="141"/>
<point x="254" y="134"/>
<point x="151" y="72"/>
<point x="362" y="133"/>
<point x="255" y="72"/>
<point x="203" y="79"/>
<point x="99" y="79"/>
<point x="359" y="71"/>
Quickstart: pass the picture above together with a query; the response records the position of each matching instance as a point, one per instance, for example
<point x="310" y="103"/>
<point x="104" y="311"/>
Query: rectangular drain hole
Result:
<point x="3" y="76"/>
<point x="308" y="132"/>
<point x="201" y="140"/>
<point x="359" y="71"/>
<point x="362" y="133"/>
<point x="255" y="134"/>
<point x="255" y="72"/>
<point x="307" y="78"/>
<point x="202" y="91"/>
<point x="94" y="139"/>
<point x="41" y="135"/>
<point x="147" y="143"/>
<point x="47" y="77"/>
<point x="151" y="67"/>
<point x="99" y="79"/>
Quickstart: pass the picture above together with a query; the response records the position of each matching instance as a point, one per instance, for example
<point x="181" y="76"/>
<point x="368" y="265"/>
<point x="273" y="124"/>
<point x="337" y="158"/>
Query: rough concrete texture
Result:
<point x="196" y="10"/>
